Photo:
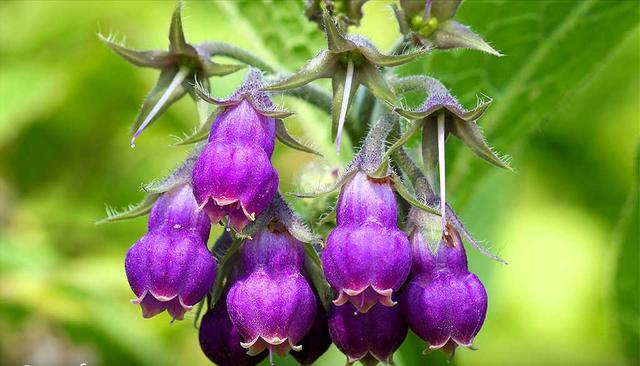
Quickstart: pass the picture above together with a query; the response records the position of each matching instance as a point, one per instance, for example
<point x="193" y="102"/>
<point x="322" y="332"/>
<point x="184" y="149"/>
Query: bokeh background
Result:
<point x="566" y="108"/>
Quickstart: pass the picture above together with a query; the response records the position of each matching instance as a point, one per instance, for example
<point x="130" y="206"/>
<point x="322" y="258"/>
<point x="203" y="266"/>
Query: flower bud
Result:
<point x="444" y="303"/>
<point x="369" y="338"/>
<point x="170" y="267"/>
<point x="220" y="340"/>
<point x="317" y="340"/>
<point x="271" y="304"/>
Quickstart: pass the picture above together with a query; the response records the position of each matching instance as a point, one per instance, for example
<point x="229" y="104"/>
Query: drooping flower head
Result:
<point x="367" y="257"/>
<point x="170" y="267"/>
<point x="369" y="338"/>
<point x="317" y="340"/>
<point x="272" y="304"/>
<point x="444" y="303"/>
<point x="234" y="176"/>
<point x="220" y="340"/>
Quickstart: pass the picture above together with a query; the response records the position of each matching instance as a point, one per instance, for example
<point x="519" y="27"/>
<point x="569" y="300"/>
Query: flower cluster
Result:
<point x="271" y="283"/>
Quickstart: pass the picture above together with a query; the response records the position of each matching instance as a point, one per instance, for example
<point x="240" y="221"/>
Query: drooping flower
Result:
<point x="443" y="303"/>
<point x="234" y="176"/>
<point x="369" y="338"/>
<point x="272" y="304"/>
<point x="317" y="340"/>
<point x="220" y="340"/>
<point x="367" y="257"/>
<point x="170" y="267"/>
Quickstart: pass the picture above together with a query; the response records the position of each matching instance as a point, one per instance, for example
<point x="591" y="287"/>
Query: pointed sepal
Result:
<point x="167" y="91"/>
<point x="201" y="133"/>
<point x="283" y="135"/>
<point x="470" y="134"/>
<point x="451" y="34"/>
<point x="177" y="42"/>
<point x="154" y="58"/>
<point x="180" y="175"/>
<point x="372" y="54"/>
<point x="336" y="41"/>
<point x="252" y="90"/>
<point x="323" y="65"/>
<point x="458" y="121"/>
<point x="404" y="192"/>
<point x="132" y="211"/>
<point x="349" y="172"/>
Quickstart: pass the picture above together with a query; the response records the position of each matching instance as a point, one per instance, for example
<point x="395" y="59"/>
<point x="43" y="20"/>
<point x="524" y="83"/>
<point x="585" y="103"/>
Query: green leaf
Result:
<point x="284" y="137"/>
<point x="571" y="47"/>
<point x="627" y="273"/>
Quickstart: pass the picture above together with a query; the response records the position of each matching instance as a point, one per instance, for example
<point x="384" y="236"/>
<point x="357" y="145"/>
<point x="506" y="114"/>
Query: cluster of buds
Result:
<point x="395" y="259"/>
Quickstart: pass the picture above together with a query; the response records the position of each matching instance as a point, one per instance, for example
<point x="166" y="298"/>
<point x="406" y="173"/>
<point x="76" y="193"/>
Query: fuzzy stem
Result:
<point x="441" y="166"/>
<point x="237" y="53"/>
<point x="410" y="83"/>
<point x="177" y="80"/>
<point x="345" y="104"/>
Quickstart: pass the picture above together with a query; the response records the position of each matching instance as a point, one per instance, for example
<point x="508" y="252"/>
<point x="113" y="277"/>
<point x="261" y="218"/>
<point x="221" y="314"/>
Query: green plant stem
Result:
<point x="224" y="49"/>
<point x="409" y="83"/>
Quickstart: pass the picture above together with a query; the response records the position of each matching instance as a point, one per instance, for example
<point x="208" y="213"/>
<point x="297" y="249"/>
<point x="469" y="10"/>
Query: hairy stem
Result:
<point x="237" y="53"/>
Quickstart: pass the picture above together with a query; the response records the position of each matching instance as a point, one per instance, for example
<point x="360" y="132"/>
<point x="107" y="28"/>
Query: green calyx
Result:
<point x="353" y="56"/>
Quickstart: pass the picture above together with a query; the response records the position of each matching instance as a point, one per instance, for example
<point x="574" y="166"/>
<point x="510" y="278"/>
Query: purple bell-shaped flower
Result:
<point x="220" y="340"/>
<point x="170" y="267"/>
<point x="369" y="338"/>
<point x="367" y="257"/>
<point x="317" y="340"/>
<point x="272" y="304"/>
<point x="234" y="176"/>
<point x="443" y="303"/>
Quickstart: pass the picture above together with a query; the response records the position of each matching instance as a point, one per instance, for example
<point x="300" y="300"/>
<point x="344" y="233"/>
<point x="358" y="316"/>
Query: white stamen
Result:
<point x="345" y="104"/>
<point x="442" y="171"/>
<point x="177" y="80"/>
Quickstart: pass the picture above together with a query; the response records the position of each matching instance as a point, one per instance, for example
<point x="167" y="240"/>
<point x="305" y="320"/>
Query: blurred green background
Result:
<point x="566" y="108"/>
